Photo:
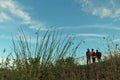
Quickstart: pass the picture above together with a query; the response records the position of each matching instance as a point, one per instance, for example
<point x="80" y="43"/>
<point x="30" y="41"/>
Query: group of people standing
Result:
<point x="93" y="55"/>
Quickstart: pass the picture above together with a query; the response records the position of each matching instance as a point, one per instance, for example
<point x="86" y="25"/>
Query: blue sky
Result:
<point x="87" y="20"/>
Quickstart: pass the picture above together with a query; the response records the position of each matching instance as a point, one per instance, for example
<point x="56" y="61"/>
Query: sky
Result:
<point x="87" y="20"/>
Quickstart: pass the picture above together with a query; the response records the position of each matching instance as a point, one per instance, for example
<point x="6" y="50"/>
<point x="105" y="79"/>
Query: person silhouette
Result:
<point x="98" y="55"/>
<point x="88" y="56"/>
<point x="93" y="55"/>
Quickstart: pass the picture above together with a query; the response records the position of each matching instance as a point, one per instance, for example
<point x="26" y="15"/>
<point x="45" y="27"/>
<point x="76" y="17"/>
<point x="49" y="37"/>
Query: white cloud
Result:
<point x="11" y="9"/>
<point x="22" y="14"/>
<point x="102" y="8"/>
<point x="5" y="37"/>
<point x="88" y="35"/>
<point x="116" y="40"/>
<point x="39" y="27"/>
<point x="99" y="26"/>
<point x="94" y="26"/>
<point x="102" y="12"/>
<point x="36" y="25"/>
<point x="4" y="17"/>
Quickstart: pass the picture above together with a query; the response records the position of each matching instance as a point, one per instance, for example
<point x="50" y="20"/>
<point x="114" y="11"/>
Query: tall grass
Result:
<point x="52" y="58"/>
<point x="33" y="59"/>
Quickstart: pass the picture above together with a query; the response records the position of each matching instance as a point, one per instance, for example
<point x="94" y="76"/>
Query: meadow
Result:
<point x="52" y="58"/>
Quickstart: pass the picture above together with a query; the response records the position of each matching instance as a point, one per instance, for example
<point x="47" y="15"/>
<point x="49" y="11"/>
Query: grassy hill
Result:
<point x="48" y="60"/>
<point x="64" y="69"/>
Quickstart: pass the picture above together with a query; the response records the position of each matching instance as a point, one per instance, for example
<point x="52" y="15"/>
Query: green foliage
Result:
<point x="49" y="59"/>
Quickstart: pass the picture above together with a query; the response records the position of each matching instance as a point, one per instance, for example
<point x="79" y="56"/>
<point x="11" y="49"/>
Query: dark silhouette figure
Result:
<point x="98" y="55"/>
<point x="88" y="55"/>
<point x="93" y="55"/>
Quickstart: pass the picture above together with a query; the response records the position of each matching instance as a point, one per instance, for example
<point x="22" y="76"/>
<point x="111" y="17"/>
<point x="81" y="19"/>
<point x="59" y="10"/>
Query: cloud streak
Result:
<point x="12" y="11"/>
<point x="116" y="40"/>
<point x="4" y="17"/>
<point x="89" y="35"/>
<point x="96" y="26"/>
<point x="11" y="7"/>
<point x="5" y="37"/>
<point x="102" y="8"/>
